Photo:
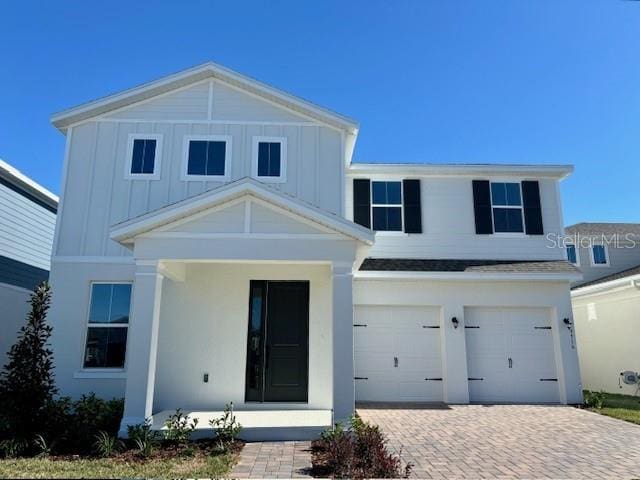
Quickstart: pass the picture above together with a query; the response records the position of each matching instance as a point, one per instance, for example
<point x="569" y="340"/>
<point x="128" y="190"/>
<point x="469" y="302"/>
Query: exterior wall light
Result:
<point x="455" y="322"/>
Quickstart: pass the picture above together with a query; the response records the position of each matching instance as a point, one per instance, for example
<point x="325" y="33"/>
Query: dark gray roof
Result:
<point x="614" y="276"/>
<point x="589" y="229"/>
<point x="452" y="265"/>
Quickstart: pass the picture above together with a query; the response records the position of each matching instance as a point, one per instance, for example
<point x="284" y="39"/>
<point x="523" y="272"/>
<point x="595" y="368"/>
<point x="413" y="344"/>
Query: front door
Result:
<point x="278" y="342"/>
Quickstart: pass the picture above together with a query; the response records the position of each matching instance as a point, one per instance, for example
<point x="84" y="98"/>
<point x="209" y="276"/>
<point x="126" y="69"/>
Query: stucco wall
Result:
<point x="608" y="335"/>
<point x="203" y="329"/>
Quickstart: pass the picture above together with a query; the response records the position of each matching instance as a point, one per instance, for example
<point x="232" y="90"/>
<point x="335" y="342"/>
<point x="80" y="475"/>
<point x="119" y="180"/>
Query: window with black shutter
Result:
<point x="412" y="206"/>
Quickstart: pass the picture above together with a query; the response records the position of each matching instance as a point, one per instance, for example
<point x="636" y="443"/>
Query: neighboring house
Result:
<point x="217" y="244"/>
<point x="27" y="222"/>
<point x="606" y="303"/>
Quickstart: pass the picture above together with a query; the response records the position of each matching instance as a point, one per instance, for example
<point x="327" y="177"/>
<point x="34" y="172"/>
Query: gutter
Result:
<point x="632" y="281"/>
<point x="467" y="276"/>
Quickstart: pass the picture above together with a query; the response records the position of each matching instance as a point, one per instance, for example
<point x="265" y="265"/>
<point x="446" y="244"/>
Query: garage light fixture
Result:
<point x="455" y="322"/>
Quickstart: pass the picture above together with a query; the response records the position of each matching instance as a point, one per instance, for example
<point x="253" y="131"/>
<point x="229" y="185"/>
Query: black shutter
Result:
<point x="482" y="206"/>
<point x="362" y="201"/>
<point x="532" y="209"/>
<point x="411" y="203"/>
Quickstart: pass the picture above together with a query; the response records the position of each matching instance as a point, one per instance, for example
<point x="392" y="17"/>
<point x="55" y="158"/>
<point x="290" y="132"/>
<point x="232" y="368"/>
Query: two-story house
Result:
<point x="606" y="302"/>
<point x="27" y="221"/>
<point x="216" y="243"/>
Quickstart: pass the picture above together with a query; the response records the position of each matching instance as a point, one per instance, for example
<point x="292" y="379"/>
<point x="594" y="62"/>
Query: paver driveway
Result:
<point x="509" y="441"/>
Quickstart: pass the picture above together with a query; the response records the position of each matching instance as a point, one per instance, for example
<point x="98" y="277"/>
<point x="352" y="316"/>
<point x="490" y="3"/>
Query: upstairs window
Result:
<point x="269" y="158"/>
<point x="143" y="157"/>
<point x="108" y="325"/>
<point x="386" y="206"/>
<point x="572" y="254"/>
<point x="599" y="255"/>
<point x="206" y="157"/>
<point x="506" y="203"/>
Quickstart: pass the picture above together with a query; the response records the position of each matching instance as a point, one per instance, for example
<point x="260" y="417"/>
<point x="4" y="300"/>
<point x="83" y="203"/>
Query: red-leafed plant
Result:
<point x="357" y="452"/>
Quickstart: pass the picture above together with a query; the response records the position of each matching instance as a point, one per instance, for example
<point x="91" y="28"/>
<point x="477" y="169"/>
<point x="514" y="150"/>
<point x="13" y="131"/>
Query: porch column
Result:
<point x="142" y="344"/>
<point x="343" y="383"/>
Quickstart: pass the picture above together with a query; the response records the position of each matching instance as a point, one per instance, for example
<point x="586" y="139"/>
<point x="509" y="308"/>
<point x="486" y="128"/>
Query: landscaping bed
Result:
<point x="622" y="407"/>
<point x="201" y="459"/>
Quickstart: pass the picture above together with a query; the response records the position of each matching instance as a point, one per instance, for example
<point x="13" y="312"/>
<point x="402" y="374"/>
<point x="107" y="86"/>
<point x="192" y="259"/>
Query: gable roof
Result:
<point x="62" y="120"/>
<point x="124" y="232"/>
<point x="591" y="229"/>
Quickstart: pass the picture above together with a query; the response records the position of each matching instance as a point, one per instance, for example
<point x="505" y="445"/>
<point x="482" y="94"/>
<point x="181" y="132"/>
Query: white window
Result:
<point x="386" y="206"/>
<point x="572" y="254"/>
<point x="206" y="157"/>
<point x="506" y="207"/>
<point x="599" y="256"/>
<point x="144" y="153"/>
<point x="108" y="324"/>
<point x="269" y="162"/>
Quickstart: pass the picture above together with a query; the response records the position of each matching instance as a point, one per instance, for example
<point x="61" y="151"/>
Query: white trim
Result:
<point x="16" y="175"/>
<point x="157" y="160"/>
<point x="199" y="121"/>
<point x="468" y="276"/>
<point x="606" y="254"/>
<point x="576" y="249"/>
<point x="100" y="373"/>
<point x="63" y="188"/>
<point x="88" y="325"/>
<point x="242" y="235"/>
<point x="458" y="170"/>
<point x="228" y="139"/>
<point x="605" y="287"/>
<point x="210" y="101"/>
<point x="256" y="140"/>
<point x="387" y="205"/>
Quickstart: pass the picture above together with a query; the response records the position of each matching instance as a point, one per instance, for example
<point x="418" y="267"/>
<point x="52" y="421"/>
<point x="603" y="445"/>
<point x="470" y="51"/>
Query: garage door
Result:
<point x="510" y="355"/>
<point x="397" y="354"/>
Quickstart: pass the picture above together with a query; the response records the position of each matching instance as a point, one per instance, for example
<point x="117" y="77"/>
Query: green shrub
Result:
<point x="360" y="452"/>
<point x="143" y="438"/>
<point x="106" y="445"/>
<point x="26" y="383"/>
<point x="594" y="399"/>
<point x="13" y="447"/>
<point x="226" y="427"/>
<point x="42" y="448"/>
<point x="179" y="427"/>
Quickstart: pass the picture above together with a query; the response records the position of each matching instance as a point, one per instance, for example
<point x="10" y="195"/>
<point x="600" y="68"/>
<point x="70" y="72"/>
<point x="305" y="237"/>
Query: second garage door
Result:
<point x="510" y="355"/>
<point x="397" y="354"/>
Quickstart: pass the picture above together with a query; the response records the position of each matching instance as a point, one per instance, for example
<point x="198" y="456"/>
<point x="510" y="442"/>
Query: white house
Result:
<point x="606" y="303"/>
<point x="27" y="221"/>
<point x="216" y="243"/>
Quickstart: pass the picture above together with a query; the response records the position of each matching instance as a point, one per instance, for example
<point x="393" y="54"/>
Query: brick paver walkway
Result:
<point x="274" y="460"/>
<point x="510" y="441"/>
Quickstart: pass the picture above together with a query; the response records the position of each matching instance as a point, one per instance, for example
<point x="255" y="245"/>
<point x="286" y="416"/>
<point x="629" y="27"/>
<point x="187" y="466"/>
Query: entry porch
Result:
<point x="260" y="317"/>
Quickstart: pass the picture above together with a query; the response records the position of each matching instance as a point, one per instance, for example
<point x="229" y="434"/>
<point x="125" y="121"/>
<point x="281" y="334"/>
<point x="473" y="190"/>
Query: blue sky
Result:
<point x="544" y="81"/>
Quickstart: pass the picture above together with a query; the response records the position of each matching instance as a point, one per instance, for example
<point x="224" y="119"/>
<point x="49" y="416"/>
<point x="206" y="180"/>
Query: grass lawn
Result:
<point x="623" y="407"/>
<point x="196" y="467"/>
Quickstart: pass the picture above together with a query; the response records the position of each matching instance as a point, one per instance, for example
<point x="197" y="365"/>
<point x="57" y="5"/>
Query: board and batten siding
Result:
<point x="26" y="229"/>
<point x="97" y="195"/>
<point x="448" y="225"/>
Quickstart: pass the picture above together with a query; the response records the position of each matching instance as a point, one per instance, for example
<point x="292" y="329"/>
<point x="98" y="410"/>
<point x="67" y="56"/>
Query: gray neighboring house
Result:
<point x="603" y="249"/>
<point x="27" y="222"/>
<point x="606" y="303"/>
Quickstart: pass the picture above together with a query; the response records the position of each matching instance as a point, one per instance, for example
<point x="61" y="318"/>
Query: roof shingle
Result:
<point x="457" y="265"/>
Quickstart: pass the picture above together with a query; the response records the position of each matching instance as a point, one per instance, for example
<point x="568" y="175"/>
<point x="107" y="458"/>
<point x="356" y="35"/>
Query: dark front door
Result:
<point x="278" y="342"/>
